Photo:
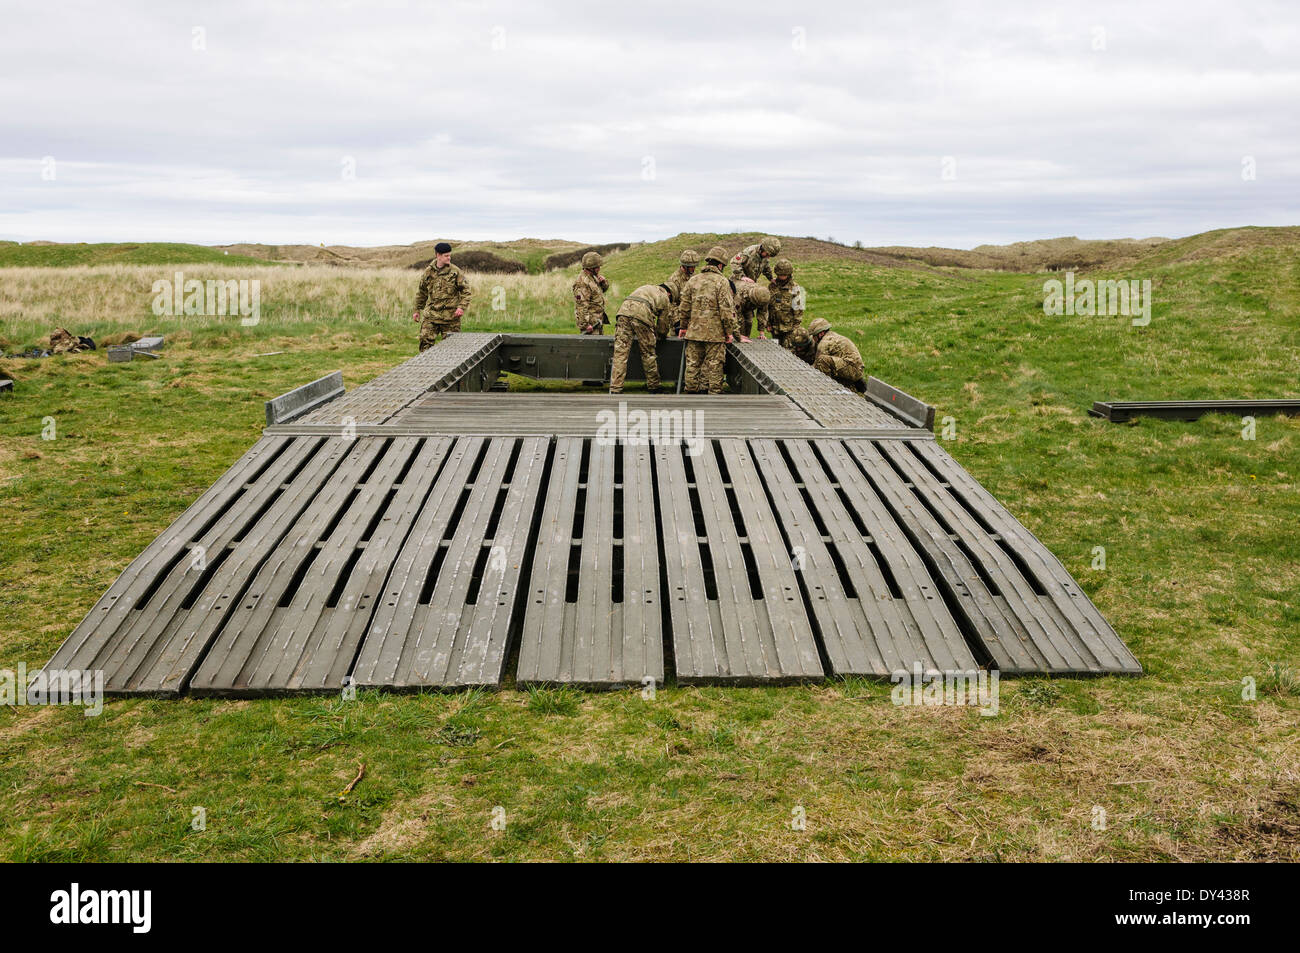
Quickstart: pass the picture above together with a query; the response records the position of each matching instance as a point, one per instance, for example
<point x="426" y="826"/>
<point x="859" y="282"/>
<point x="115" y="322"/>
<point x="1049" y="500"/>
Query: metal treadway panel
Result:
<point x="733" y="597"/>
<point x="437" y="368"/>
<point x="579" y="414"/>
<point x="877" y="609"/>
<point x="805" y="533"/>
<point x="592" y="617"/>
<point x="444" y="618"/>
<point x="315" y="595"/>
<point x="150" y="629"/>
<point x="1078" y="639"/>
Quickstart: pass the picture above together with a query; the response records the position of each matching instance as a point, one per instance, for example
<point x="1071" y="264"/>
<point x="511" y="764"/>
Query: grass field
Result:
<point x="1202" y="580"/>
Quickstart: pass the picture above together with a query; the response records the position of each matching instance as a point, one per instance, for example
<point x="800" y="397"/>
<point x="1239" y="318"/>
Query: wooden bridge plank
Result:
<point x="451" y="641"/>
<point x="93" y="640"/>
<point x="547" y="634"/>
<point x="998" y="630"/>
<point x="699" y="646"/>
<point x="642" y="655"/>
<point x="927" y="619"/>
<point x="869" y="633"/>
<point x="1053" y="641"/>
<point x="781" y="608"/>
<point x="1064" y="598"/>
<point x="163" y="664"/>
<point x="328" y="658"/>
<point x="488" y="629"/>
<point x="264" y="637"/>
<point x="384" y="655"/>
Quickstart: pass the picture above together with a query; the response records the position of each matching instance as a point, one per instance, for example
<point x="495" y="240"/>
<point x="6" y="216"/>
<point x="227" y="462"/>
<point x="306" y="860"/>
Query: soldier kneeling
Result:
<point x="837" y="356"/>
<point x="800" y="343"/>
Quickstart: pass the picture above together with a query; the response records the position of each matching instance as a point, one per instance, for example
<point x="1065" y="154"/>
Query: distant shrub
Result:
<point x="566" y="258"/>
<point x="481" y="261"/>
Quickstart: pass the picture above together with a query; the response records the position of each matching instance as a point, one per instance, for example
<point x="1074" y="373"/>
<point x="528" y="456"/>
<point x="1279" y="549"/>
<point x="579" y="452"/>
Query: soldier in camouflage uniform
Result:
<point x="687" y="263"/>
<point x="589" y="296"/>
<point x="751" y="261"/>
<point x="708" y="314"/>
<point x="837" y="356"/>
<point x="800" y="343"/>
<point x="785" y="310"/>
<point x="639" y="319"/>
<point x="751" y="308"/>
<point x="441" y="299"/>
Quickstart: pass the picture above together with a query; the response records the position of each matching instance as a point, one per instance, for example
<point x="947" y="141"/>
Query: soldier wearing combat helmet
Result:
<point x="638" y="320"/>
<point x="785" y="310"/>
<point x="442" y="297"/>
<point x="752" y="261"/>
<point x="751" y="308"/>
<point x="800" y="343"/>
<point x="589" y="296"/>
<point x="687" y="262"/>
<point x="708" y="315"/>
<point x="837" y="356"/>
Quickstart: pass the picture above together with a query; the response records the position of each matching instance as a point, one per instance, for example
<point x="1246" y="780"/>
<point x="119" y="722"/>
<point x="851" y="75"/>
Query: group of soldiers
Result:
<point x="697" y="302"/>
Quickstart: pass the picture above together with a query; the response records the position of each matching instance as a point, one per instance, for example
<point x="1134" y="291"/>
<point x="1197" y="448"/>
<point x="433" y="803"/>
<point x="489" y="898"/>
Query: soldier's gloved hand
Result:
<point x="743" y="339"/>
<point x="747" y="278"/>
<point x="681" y="334"/>
<point x="730" y="338"/>
<point x="459" y="312"/>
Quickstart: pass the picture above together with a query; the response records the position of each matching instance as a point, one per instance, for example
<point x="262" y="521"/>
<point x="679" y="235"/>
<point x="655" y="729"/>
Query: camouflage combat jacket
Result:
<point x="708" y="312"/>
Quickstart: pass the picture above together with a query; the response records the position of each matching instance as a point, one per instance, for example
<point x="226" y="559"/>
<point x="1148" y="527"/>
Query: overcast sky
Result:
<point x="889" y="123"/>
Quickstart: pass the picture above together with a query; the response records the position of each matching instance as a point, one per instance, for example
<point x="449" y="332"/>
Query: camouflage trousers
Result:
<point x="435" y="324"/>
<point x="846" y="372"/>
<point x="627" y="330"/>
<point x="704" y="363"/>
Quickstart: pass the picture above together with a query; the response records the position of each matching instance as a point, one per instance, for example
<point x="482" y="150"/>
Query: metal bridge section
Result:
<point x="424" y="532"/>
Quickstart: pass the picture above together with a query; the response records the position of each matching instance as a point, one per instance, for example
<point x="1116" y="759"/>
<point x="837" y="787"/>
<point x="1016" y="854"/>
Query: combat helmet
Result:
<point x="800" y="342"/>
<point x="689" y="259"/>
<point x="771" y="247"/>
<point x="592" y="261"/>
<point x="783" y="267"/>
<point x="717" y="254"/>
<point x="818" y="326"/>
<point x="760" y="295"/>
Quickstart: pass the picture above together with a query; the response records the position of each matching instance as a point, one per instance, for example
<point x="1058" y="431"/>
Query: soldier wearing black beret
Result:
<point x="442" y="298"/>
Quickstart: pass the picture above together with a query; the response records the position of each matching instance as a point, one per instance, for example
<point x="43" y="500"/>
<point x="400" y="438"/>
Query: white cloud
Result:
<point x="494" y="119"/>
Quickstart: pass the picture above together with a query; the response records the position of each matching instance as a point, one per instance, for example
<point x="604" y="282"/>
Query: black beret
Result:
<point x="442" y="248"/>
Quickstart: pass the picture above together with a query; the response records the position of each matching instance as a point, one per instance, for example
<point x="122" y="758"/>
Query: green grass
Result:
<point x="14" y="255"/>
<point x="1201" y="580"/>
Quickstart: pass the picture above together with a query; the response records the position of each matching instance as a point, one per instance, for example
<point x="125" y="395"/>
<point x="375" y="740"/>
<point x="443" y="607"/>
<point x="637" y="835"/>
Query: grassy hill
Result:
<point x="529" y="251"/>
<point x="54" y="255"/>
<point x="1060" y="254"/>
<point x="1201" y="579"/>
<point x="1055" y="254"/>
